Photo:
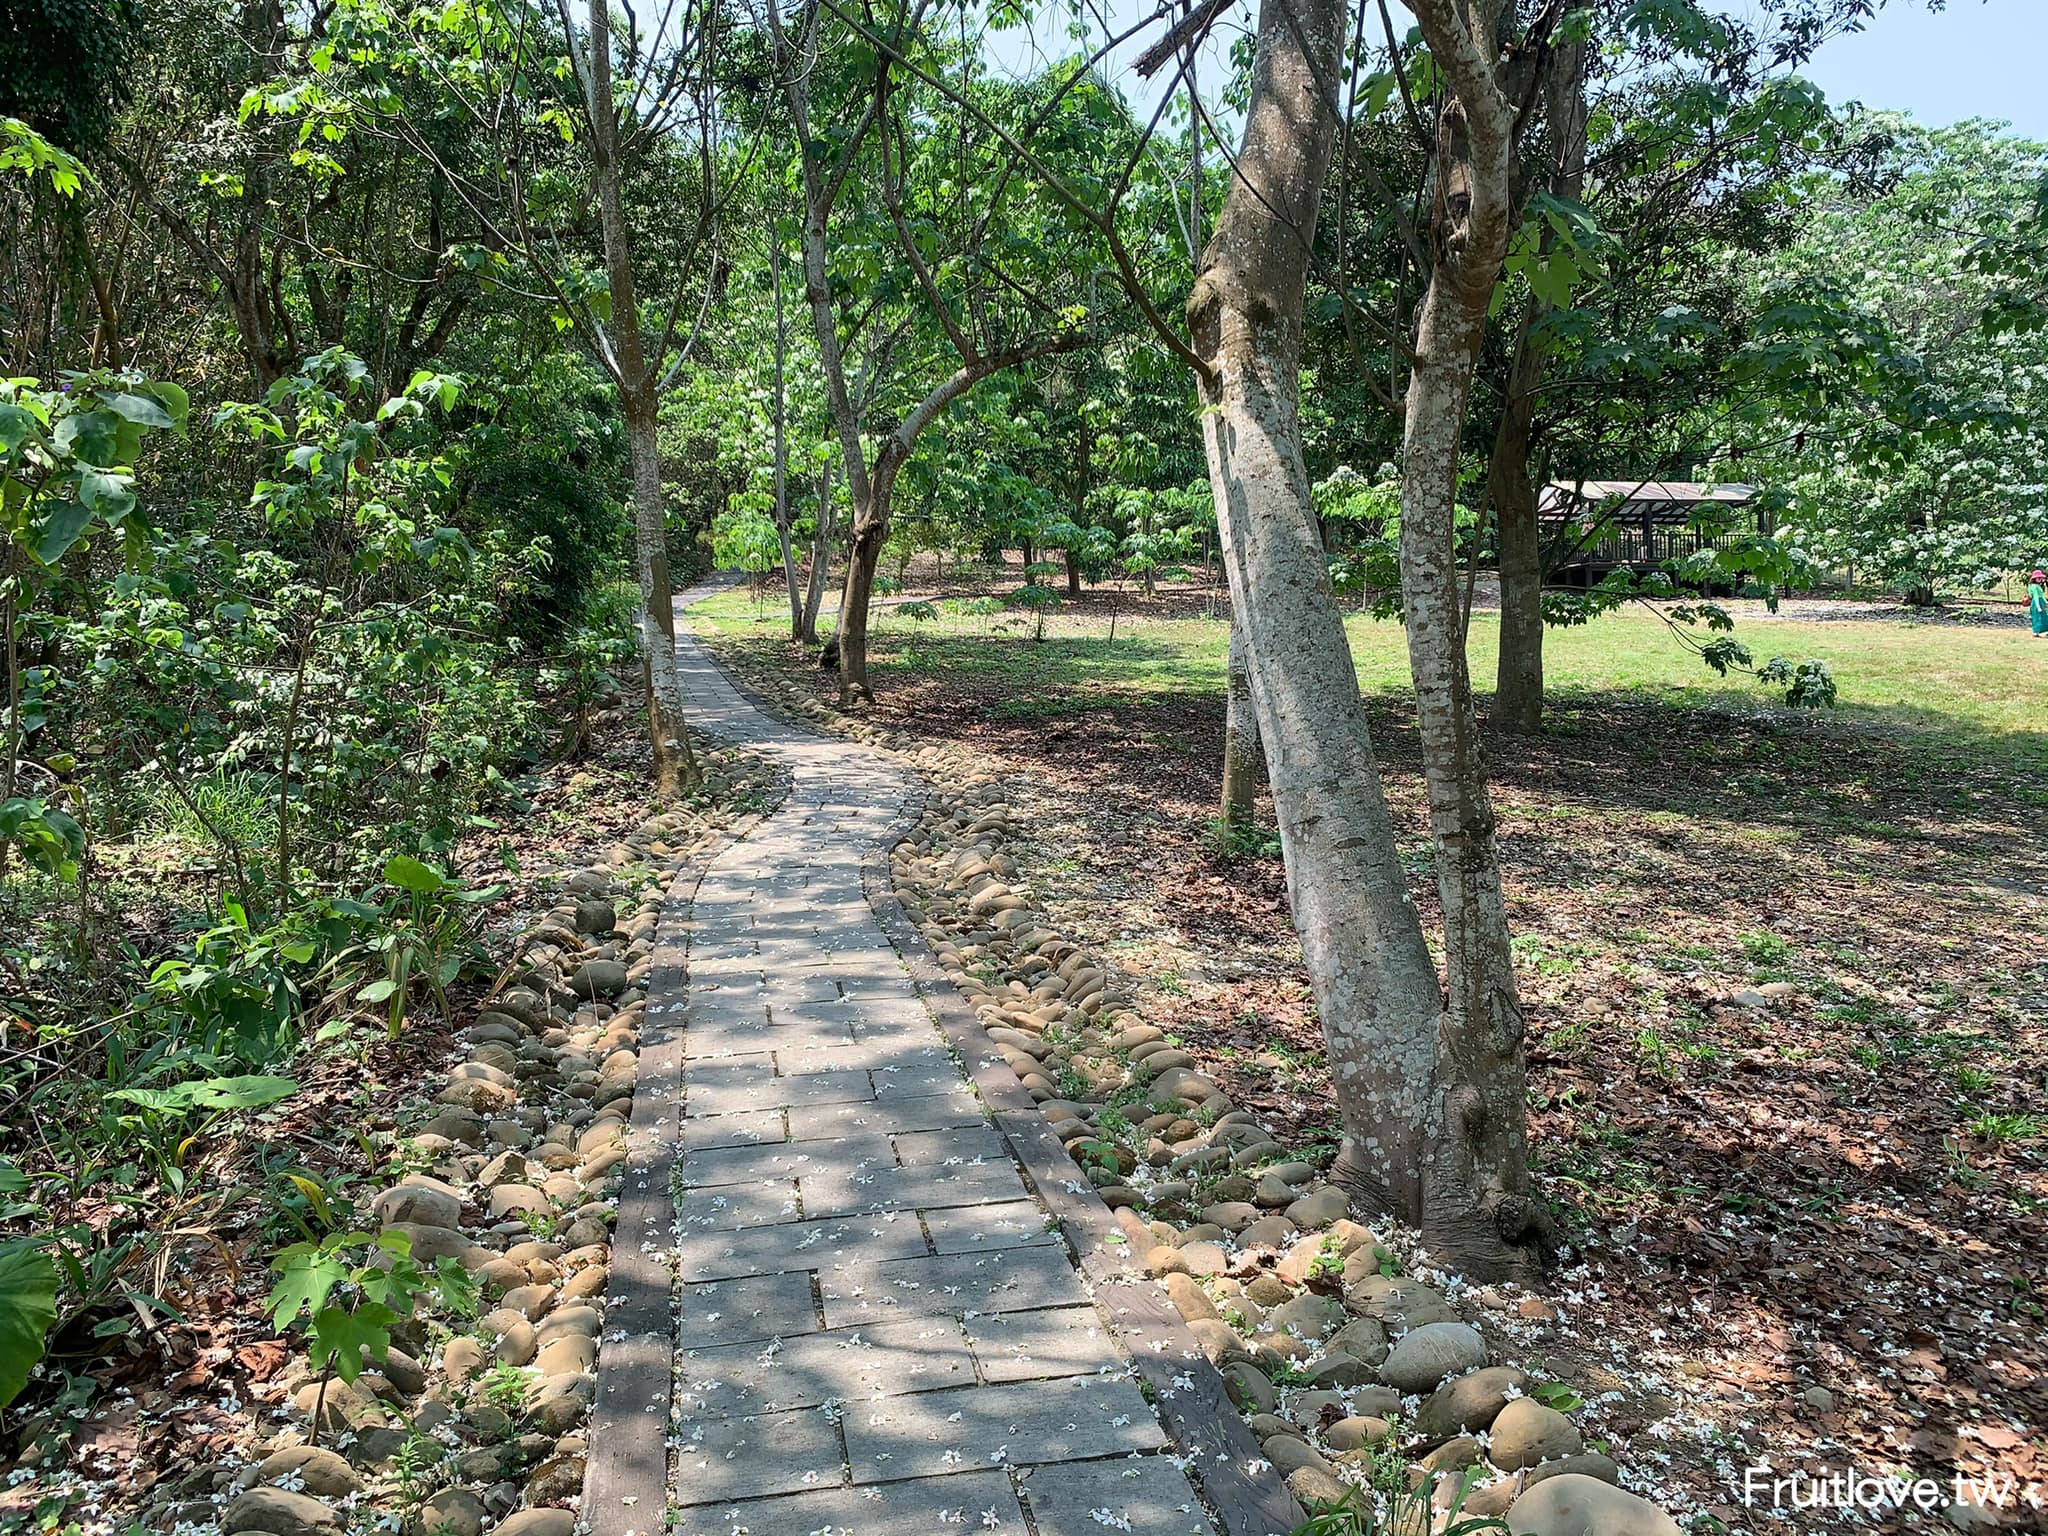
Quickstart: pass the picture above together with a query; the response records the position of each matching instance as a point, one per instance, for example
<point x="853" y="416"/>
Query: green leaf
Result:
<point x="94" y="436"/>
<point x="17" y="426"/>
<point x="107" y="492"/>
<point x="344" y="1337"/>
<point x="172" y="397"/>
<point x="409" y="874"/>
<point x="240" y="1092"/>
<point x="64" y="524"/>
<point x="306" y="1275"/>
<point x="210" y="1093"/>
<point x="140" y="409"/>
<point x="377" y="991"/>
<point x="28" y="1306"/>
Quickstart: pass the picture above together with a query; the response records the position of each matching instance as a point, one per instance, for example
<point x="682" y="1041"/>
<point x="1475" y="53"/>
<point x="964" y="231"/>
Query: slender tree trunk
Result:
<point x="1084" y="473"/>
<point x="284" y="768"/>
<point x="781" y="404"/>
<point x="10" y="752"/>
<point x="1518" y="699"/>
<point x="1376" y="987"/>
<point x="675" y="765"/>
<point x="1480" y="1213"/>
<point x="1242" y="759"/>
<point x="1518" y="702"/>
<point x="821" y="558"/>
<point x="870" y="528"/>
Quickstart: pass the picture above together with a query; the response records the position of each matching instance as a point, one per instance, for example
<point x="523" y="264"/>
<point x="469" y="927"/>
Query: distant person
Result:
<point x="2037" y="601"/>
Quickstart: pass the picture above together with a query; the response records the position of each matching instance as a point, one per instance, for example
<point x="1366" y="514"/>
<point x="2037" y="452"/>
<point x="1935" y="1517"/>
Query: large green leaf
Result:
<point x="17" y="426"/>
<point x="306" y="1275"/>
<point x="140" y="409"/>
<point x="210" y="1093"/>
<point x="64" y="524"/>
<point x="28" y="1305"/>
<point x="172" y="397"/>
<point x="93" y="436"/>
<point x="345" y="1337"/>
<point x="409" y="874"/>
<point x="241" y="1092"/>
<point x="107" y="492"/>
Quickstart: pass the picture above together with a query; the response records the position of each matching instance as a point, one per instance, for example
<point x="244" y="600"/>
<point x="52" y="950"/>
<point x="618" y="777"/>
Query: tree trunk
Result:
<point x="781" y="410"/>
<point x="1375" y="985"/>
<point x="870" y="528"/>
<point x="1084" y="474"/>
<point x="1241" y="756"/>
<point x="1480" y="1215"/>
<point x="1518" y="698"/>
<point x="675" y="766"/>
<point x="821" y="558"/>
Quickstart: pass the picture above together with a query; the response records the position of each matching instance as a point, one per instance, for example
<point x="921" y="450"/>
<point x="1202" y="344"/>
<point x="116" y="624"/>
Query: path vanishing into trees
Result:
<point x="876" y="1325"/>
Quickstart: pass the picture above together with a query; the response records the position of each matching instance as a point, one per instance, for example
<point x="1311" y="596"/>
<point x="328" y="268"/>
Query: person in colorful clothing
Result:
<point x="2037" y="601"/>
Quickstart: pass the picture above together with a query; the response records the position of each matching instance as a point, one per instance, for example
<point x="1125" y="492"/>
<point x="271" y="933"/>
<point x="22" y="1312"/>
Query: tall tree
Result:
<point x="1414" y="1140"/>
<point x="967" y="281"/>
<point x="530" y="166"/>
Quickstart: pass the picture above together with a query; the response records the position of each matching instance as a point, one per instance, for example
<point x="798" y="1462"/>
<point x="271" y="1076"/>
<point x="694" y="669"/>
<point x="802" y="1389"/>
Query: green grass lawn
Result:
<point x="1969" y="687"/>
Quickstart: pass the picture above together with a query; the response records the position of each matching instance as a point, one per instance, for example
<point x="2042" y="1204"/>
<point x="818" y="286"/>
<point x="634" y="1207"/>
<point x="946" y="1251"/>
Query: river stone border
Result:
<point x="478" y="1427"/>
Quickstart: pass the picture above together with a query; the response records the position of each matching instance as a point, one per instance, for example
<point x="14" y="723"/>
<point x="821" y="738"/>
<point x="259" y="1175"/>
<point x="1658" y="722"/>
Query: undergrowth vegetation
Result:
<point x="248" y="734"/>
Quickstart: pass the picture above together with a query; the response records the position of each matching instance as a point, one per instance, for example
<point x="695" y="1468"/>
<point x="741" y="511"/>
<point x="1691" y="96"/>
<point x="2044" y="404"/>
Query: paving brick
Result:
<point x="730" y="1207"/>
<point x="1025" y="1424"/>
<point x="969" y="1282"/>
<point x="973" y="1228"/>
<point x="1145" y="1495"/>
<point x="931" y="1506"/>
<point x="849" y="1364"/>
<point x="750" y="1128"/>
<point x="930" y="1112"/>
<point x="740" y="1311"/>
<point x="742" y="1165"/>
<point x="720" y="1460"/>
<point x="1058" y="1341"/>
<point x="973" y="1143"/>
<point x="833" y="1244"/>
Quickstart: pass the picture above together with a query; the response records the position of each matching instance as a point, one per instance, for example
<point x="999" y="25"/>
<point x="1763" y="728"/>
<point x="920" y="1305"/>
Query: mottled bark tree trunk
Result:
<point x="1484" y="1218"/>
<point x="780" y="407"/>
<point x="1241" y="756"/>
<point x="821" y="558"/>
<point x="864" y="552"/>
<point x="1376" y="987"/>
<point x="675" y="766"/>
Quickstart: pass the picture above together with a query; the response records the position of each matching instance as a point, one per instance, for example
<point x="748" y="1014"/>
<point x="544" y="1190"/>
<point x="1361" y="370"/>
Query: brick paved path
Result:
<point x="878" y="1333"/>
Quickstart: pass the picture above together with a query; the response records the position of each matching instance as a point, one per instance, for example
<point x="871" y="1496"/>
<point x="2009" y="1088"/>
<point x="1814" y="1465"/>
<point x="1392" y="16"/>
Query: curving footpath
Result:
<point x="875" y="1326"/>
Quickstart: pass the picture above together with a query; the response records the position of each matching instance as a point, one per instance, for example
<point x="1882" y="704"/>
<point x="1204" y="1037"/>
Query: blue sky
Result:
<point x="1977" y="58"/>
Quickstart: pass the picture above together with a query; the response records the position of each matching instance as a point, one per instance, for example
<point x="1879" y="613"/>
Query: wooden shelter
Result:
<point x="1591" y="527"/>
